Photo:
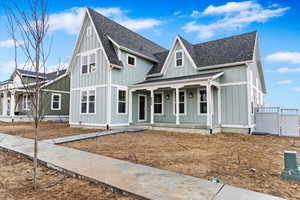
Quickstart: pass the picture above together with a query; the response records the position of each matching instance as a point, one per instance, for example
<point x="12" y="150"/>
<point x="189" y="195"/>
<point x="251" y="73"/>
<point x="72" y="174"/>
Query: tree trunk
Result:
<point x="35" y="162"/>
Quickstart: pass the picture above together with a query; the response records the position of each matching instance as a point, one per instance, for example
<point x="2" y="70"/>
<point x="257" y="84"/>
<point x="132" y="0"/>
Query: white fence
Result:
<point x="273" y="120"/>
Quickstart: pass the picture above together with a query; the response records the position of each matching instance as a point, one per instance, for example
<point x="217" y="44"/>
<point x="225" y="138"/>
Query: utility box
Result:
<point x="291" y="169"/>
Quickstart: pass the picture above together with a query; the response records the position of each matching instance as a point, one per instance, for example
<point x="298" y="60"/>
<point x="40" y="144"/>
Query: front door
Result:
<point x="142" y="107"/>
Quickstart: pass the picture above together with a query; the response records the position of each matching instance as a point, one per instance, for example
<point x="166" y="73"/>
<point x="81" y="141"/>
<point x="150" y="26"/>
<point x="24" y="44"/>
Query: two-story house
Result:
<point x="119" y="78"/>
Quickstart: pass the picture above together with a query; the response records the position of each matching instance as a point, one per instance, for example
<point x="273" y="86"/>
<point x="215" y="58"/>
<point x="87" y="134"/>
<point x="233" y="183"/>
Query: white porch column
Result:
<point x="152" y="106"/>
<point x="219" y="106"/>
<point x="12" y="104"/>
<point x="177" y="106"/>
<point x="130" y="107"/>
<point x="209" y="105"/>
<point x="4" y="103"/>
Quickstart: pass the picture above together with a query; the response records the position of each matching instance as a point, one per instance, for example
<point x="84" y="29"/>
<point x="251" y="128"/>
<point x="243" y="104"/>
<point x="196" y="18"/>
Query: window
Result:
<point x="178" y="58"/>
<point x="158" y="103"/>
<point x="89" y="31"/>
<point x="25" y="102"/>
<point x="202" y="98"/>
<point x="92" y="98"/>
<point x="55" y="101"/>
<point x="131" y="60"/>
<point x="88" y="63"/>
<point x="182" y="98"/>
<point x="92" y="62"/>
<point x="88" y="102"/>
<point x="121" y="101"/>
<point x="84" y="102"/>
<point x="84" y="64"/>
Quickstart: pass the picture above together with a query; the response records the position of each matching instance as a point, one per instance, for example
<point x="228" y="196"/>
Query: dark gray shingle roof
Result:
<point x="233" y="49"/>
<point x="48" y="76"/>
<point x="205" y="75"/>
<point x="123" y="36"/>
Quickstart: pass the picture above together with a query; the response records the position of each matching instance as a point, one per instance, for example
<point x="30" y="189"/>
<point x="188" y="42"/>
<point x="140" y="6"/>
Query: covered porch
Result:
<point x="177" y="103"/>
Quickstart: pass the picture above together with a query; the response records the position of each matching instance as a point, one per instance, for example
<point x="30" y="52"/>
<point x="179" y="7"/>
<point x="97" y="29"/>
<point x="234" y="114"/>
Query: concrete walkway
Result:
<point x="72" y="138"/>
<point x="141" y="181"/>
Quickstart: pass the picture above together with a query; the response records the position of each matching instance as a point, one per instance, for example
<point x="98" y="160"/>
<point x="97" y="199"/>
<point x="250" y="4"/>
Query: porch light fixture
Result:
<point x="167" y="96"/>
<point x="190" y="95"/>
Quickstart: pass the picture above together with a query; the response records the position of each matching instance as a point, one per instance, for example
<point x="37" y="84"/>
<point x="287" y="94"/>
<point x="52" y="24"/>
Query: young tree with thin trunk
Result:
<point x="28" y="29"/>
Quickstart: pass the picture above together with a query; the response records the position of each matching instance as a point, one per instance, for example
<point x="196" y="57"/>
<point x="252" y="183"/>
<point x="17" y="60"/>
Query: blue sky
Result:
<point x="197" y="21"/>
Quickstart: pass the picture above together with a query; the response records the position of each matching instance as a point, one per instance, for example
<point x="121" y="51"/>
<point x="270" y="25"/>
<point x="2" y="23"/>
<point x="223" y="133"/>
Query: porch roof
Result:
<point x="204" y="76"/>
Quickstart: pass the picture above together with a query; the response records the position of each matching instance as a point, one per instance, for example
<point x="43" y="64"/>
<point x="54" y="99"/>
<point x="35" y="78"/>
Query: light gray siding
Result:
<point x="115" y="117"/>
<point x="128" y="74"/>
<point x="234" y="104"/>
<point x="99" y="117"/>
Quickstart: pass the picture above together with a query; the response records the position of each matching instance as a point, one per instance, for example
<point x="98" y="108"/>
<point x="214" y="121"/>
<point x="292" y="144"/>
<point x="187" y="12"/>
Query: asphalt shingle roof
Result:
<point x="123" y="36"/>
<point x="48" y="76"/>
<point x="205" y="75"/>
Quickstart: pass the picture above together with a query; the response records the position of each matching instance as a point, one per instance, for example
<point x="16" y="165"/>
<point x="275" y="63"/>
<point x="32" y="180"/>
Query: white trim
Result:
<point x="233" y="84"/>
<point x="88" y="55"/>
<point x="175" y="58"/>
<point x="185" y="102"/>
<point x="96" y="124"/>
<point x="26" y="107"/>
<point x="89" y="31"/>
<point x="132" y="56"/>
<point x="56" y="91"/>
<point x="224" y="65"/>
<point x="219" y="106"/>
<point x="162" y="103"/>
<point x="198" y="102"/>
<point x="109" y="99"/>
<point x="52" y="101"/>
<point x="90" y="51"/>
<point x="123" y="87"/>
<point x="139" y="120"/>
<point x="89" y="87"/>
<point x="237" y="126"/>
<point x="126" y="102"/>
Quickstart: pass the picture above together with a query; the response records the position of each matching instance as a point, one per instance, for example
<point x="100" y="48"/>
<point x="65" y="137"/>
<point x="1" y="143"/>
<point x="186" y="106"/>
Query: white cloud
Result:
<point x="176" y="13"/>
<point x="290" y="57"/>
<point x="284" y="70"/>
<point x="8" y="43"/>
<point x="69" y="20"/>
<point x="284" y="82"/>
<point x="235" y="15"/>
<point x="196" y="14"/>
<point x="297" y="89"/>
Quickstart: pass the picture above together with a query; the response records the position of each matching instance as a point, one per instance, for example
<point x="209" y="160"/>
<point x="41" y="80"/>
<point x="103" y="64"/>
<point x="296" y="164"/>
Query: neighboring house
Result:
<point x="119" y="78"/>
<point x="15" y="103"/>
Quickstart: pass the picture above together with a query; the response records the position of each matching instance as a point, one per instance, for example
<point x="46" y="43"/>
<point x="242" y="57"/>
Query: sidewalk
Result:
<point x="139" y="180"/>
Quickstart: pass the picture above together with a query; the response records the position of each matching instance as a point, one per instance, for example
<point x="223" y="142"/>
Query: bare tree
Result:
<point x="28" y="28"/>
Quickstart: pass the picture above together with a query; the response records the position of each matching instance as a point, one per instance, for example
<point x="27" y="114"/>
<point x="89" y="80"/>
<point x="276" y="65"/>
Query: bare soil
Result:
<point x="246" y="161"/>
<point x="47" y="130"/>
<point x="16" y="183"/>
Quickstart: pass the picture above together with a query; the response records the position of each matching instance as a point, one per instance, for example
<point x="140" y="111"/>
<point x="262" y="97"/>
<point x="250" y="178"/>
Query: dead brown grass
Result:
<point x="47" y="130"/>
<point x="16" y="183"/>
<point x="251" y="162"/>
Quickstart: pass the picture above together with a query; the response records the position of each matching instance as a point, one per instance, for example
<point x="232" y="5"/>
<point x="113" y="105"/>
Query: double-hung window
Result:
<point x="84" y="64"/>
<point x="202" y="101"/>
<point x="158" y="103"/>
<point x="56" y="101"/>
<point x="178" y="58"/>
<point x="92" y="62"/>
<point x="88" y="102"/>
<point x="121" y="101"/>
<point x="88" y="63"/>
<point x="182" y="102"/>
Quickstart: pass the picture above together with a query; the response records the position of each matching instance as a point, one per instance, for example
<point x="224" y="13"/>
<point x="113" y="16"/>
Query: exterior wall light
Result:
<point x="191" y="95"/>
<point x="167" y="96"/>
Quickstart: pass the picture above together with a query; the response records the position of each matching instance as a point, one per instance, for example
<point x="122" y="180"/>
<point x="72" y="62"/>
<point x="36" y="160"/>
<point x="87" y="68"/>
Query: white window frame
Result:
<point x="52" y="101"/>
<point x="126" y="101"/>
<point x="89" y="31"/>
<point x="175" y="58"/>
<point x="88" y="91"/>
<point x="199" y="101"/>
<point x="25" y="105"/>
<point x="129" y="55"/>
<point x="146" y="106"/>
<point x="87" y="54"/>
<point x="174" y="102"/>
<point x="162" y="103"/>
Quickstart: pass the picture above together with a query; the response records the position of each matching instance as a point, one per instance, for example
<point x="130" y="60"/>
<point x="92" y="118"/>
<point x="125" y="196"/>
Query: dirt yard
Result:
<point x="251" y="162"/>
<point x="16" y="183"/>
<point x="47" y="130"/>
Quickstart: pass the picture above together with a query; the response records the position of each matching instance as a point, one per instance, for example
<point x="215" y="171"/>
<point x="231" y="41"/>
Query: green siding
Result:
<point x="46" y="104"/>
